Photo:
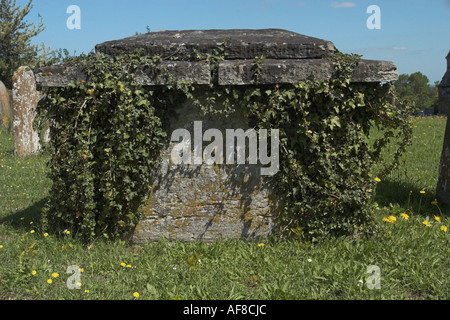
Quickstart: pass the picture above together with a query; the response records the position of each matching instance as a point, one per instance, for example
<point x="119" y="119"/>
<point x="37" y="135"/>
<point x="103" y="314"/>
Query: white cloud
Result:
<point x="343" y="4"/>
<point x="399" y="48"/>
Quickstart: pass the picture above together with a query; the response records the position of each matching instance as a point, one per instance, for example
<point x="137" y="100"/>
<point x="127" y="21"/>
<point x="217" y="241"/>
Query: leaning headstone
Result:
<point x="443" y="185"/>
<point x="25" y="100"/>
<point x="6" y="113"/>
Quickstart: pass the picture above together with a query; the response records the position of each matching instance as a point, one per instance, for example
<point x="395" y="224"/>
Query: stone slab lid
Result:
<point x="289" y="57"/>
<point x="242" y="44"/>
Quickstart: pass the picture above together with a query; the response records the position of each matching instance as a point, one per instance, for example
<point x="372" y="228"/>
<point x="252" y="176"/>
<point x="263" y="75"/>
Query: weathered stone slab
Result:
<point x="244" y="44"/>
<point x="241" y="72"/>
<point x="193" y="72"/>
<point x="25" y="100"/>
<point x="236" y="72"/>
<point x="206" y="202"/>
<point x="58" y="76"/>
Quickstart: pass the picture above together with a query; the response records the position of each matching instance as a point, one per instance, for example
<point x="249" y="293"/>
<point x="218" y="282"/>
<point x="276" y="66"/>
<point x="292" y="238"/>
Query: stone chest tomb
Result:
<point x="200" y="201"/>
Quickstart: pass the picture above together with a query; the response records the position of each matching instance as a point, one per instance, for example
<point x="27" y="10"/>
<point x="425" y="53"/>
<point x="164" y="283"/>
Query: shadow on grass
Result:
<point x="21" y="219"/>
<point x="407" y="195"/>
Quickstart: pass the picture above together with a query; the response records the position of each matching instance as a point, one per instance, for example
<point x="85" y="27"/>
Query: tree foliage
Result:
<point x="415" y="88"/>
<point x="16" y="33"/>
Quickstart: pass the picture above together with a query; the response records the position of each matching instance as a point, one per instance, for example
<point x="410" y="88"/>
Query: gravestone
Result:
<point x="6" y="113"/>
<point x="443" y="185"/>
<point x="210" y="201"/>
<point x="25" y="100"/>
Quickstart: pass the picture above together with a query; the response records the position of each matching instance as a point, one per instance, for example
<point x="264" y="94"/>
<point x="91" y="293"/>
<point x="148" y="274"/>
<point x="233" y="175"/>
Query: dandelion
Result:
<point x="55" y="275"/>
<point x="33" y="272"/>
<point x="444" y="228"/>
<point x="46" y="234"/>
<point x="422" y="192"/>
<point x="78" y="284"/>
<point x="426" y="223"/>
<point x="438" y="219"/>
<point x="377" y="179"/>
<point x="67" y="232"/>
<point x="86" y="291"/>
<point x="128" y="265"/>
<point x="392" y="218"/>
<point x="32" y="231"/>
<point x="49" y="281"/>
<point x="1" y="247"/>
<point x="261" y="245"/>
<point x="136" y="295"/>
<point x="405" y="216"/>
<point x="81" y="270"/>
<point x="386" y="220"/>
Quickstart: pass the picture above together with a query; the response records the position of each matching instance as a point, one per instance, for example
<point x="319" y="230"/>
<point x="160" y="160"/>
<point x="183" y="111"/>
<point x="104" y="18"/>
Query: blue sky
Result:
<point x="415" y="34"/>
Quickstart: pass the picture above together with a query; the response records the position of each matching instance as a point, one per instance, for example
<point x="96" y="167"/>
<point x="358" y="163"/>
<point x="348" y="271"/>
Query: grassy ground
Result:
<point x="410" y="257"/>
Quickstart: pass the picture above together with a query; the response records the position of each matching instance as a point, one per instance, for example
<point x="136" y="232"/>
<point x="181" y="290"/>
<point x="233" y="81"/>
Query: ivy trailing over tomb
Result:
<point x="108" y="133"/>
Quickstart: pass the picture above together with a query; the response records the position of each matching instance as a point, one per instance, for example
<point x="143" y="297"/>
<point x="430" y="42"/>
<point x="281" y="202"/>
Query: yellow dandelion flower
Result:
<point x="392" y="218"/>
<point x="377" y="179"/>
<point x="123" y="264"/>
<point x="136" y="295"/>
<point x="386" y="220"/>
<point x="81" y="270"/>
<point x="1" y="247"/>
<point x="33" y="272"/>
<point x="78" y="284"/>
<point x="444" y="228"/>
<point x="261" y="245"/>
<point x="67" y="232"/>
<point x="128" y="265"/>
<point x="86" y="291"/>
<point x="46" y="234"/>
<point x="49" y="281"/>
<point x="405" y="216"/>
<point x="32" y="231"/>
<point x="55" y="275"/>
<point x="426" y="223"/>
<point x="422" y="192"/>
<point x="437" y="219"/>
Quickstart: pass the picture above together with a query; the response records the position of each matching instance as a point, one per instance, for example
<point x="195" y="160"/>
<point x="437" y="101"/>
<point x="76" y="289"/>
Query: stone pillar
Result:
<point x="443" y="185"/>
<point x="25" y="100"/>
<point x="444" y="91"/>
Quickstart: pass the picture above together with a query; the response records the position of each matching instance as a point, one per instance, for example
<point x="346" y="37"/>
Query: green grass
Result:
<point x="413" y="259"/>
